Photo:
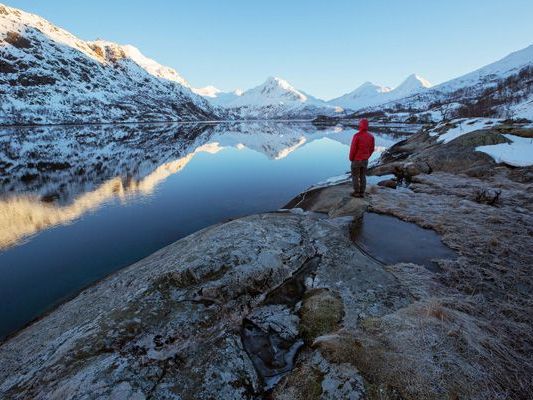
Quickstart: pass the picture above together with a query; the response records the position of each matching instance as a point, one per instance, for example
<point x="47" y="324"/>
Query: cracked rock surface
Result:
<point x="170" y="325"/>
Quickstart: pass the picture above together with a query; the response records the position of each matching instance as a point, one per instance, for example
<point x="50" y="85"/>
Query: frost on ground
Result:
<point x="475" y="315"/>
<point x="479" y="322"/>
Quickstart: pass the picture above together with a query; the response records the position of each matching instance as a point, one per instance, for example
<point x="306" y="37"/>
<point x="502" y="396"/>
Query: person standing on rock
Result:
<point x="360" y="151"/>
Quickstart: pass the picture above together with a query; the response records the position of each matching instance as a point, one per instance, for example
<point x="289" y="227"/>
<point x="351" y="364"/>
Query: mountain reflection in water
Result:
<point x="115" y="193"/>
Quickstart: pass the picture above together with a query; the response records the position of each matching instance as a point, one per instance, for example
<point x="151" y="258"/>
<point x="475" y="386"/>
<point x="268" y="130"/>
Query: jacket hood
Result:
<point x="363" y="125"/>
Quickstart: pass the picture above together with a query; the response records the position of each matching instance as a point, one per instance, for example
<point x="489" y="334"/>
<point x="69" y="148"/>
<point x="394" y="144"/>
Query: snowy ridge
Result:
<point x="370" y="94"/>
<point x="493" y="72"/>
<point x="49" y="76"/>
<point x="134" y="54"/>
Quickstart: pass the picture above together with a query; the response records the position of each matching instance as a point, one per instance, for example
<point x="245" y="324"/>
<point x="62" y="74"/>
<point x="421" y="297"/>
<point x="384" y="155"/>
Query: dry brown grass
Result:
<point x="472" y="337"/>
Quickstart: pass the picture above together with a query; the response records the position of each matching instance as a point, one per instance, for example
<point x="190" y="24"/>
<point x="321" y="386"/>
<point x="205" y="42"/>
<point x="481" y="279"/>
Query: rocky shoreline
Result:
<point x="283" y="305"/>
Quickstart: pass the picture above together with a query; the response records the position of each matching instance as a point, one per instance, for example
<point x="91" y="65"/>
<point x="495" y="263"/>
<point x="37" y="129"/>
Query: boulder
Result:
<point x="321" y="313"/>
<point x="389" y="183"/>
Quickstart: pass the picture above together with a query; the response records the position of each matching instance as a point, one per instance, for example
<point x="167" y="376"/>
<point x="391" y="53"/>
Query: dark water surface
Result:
<point x="391" y="241"/>
<point x="77" y="203"/>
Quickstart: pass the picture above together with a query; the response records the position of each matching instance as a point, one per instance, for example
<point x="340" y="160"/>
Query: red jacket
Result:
<point x="362" y="143"/>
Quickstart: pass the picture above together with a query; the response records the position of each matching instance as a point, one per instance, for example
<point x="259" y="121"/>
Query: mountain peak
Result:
<point x="370" y="87"/>
<point x="276" y="81"/>
<point x="415" y="80"/>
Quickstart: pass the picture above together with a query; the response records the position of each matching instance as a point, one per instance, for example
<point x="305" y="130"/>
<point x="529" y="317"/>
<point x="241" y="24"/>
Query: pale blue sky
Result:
<point x="325" y="48"/>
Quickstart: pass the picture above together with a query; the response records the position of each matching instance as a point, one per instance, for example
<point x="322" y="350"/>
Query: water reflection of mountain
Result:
<point x="53" y="175"/>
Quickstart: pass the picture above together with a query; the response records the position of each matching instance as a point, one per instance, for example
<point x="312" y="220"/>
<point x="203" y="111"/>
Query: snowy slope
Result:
<point x="501" y="89"/>
<point x="50" y="76"/>
<point x="369" y="94"/>
<point x="492" y="73"/>
<point x="276" y="98"/>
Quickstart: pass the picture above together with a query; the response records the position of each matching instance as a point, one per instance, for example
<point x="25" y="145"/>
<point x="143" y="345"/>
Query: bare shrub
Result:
<point x="17" y="40"/>
<point x="487" y="196"/>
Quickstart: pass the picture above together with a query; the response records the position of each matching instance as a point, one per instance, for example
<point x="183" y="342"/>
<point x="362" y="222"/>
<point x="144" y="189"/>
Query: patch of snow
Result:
<point x="518" y="153"/>
<point x="463" y="126"/>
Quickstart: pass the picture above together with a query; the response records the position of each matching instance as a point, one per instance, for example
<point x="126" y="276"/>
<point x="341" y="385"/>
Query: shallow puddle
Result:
<point x="391" y="240"/>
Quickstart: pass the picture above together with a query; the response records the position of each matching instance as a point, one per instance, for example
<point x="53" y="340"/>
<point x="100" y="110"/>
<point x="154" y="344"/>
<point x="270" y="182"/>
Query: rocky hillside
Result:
<point x="48" y="76"/>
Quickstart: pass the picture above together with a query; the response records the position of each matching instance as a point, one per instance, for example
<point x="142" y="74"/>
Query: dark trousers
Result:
<point x="359" y="176"/>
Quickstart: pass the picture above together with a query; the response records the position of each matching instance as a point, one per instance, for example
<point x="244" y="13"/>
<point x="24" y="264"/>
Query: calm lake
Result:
<point x="79" y="202"/>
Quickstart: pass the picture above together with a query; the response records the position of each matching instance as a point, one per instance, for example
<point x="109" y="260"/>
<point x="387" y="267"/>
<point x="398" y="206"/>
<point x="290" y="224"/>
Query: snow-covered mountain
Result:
<point x="276" y="99"/>
<point x="501" y="89"/>
<point x="50" y="76"/>
<point x="370" y="94"/>
<point x="217" y="97"/>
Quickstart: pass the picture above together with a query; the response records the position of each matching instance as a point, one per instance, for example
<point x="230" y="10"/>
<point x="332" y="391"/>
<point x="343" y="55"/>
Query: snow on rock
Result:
<point x="461" y="127"/>
<point x="49" y="76"/>
<point x="518" y="152"/>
